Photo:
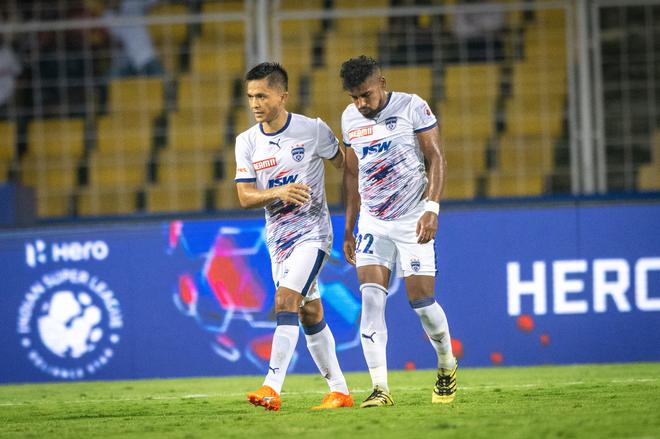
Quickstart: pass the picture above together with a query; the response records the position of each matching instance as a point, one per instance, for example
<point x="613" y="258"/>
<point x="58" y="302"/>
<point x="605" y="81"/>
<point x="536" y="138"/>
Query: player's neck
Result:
<point x="276" y="124"/>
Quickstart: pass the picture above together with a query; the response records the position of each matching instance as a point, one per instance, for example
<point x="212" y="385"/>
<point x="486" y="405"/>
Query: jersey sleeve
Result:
<point x="327" y="144"/>
<point x="421" y="115"/>
<point x="245" y="172"/>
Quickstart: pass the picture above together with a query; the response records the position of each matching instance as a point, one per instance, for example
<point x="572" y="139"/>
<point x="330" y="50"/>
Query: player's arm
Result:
<point x="352" y="204"/>
<point x="249" y="196"/>
<point x="339" y="159"/>
<point x="429" y="142"/>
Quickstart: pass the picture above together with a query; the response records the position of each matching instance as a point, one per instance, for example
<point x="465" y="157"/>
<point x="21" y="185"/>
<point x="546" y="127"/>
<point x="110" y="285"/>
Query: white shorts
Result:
<point x="299" y="272"/>
<point x="393" y="244"/>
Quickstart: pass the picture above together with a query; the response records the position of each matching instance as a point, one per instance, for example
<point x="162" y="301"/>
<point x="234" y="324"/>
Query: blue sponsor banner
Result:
<point x="520" y="286"/>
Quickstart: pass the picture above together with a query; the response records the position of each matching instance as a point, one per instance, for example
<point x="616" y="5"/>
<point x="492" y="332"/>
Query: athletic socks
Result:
<point x="321" y="345"/>
<point x="373" y="332"/>
<point x="284" y="344"/>
<point x="436" y="327"/>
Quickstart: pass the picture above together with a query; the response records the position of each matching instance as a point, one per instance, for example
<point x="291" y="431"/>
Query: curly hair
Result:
<point x="357" y="70"/>
<point x="275" y="73"/>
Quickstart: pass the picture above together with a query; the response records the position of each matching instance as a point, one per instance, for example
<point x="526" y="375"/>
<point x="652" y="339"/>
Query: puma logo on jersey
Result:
<point x="378" y="147"/>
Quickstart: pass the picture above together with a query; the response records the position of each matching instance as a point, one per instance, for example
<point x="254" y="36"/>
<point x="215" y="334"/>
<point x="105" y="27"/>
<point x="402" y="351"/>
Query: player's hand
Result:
<point x="296" y="193"/>
<point x="426" y="227"/>
<point x="349" y="248"/>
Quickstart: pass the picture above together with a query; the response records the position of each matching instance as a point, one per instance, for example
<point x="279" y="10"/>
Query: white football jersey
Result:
<point x="294" y="154"/>
<point x="392" y="175"/>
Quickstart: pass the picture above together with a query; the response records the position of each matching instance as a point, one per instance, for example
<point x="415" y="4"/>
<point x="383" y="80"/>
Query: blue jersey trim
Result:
<point x="245" y="180"/>
<point x="421" y="130"/>
<point x="335" y="155"/>
<point x="281" y="130"/>
<point x="320" y="257"/>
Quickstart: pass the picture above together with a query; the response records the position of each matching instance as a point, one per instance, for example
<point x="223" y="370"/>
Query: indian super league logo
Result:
<point x="69" y="323"/>
<point x="415" y="264"/>
<point x="298" y="153"/>
<point x="390" y="123"/>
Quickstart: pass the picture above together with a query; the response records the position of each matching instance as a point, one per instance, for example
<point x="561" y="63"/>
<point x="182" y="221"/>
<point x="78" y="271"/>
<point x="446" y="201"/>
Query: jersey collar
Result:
<point x="280" y="131"/>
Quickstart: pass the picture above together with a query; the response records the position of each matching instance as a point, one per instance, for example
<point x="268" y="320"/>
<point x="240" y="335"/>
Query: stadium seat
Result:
<point x="648" y="177"/>
<point x="459" y="186"/>
<point x="126" y="171"/>
<point x="218" y="58"/>
<point x="502" y="184"/>
<point x="106" y="201"/>
<point x="175" y="197"/>
<point x="333" y="183"/>
<point x="52" y="203"/>
<point x="340" y="46"/>
<point x="186" y="167"/>
<point x="410" y="79"/>
<point x="361" y="24"/>
<point x="140" y="94"/>
<point x="7" y="141"/>
<point x="169" y="38"/>
<point x="226" y="196"/>
<point x="204" y="92"/>
<point x="328" y="99"/>
<point x="55" y="137"/>
<point x="222" y="30"/>
<point x="196" y="130"/>
<point x="129" y="132"/>
<point x="526" y="153"/>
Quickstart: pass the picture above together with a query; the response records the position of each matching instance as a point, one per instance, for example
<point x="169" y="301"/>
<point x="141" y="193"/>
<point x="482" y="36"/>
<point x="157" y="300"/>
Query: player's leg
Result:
<point x="420" y="289"/>
<point x="321" y="345"/>
<point x="283" y="346"/>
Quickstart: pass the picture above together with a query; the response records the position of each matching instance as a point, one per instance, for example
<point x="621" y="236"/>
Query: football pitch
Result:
<point x="590" y="401"/>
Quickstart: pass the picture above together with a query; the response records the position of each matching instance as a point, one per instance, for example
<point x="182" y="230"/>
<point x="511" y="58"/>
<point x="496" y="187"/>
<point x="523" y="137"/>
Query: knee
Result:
<point x="287" y="300"/>
<point x="310" y="314"/>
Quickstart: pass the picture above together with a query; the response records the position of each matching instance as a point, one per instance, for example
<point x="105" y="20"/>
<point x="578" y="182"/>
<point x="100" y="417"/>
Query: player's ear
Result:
<point x="383" y="83"/>
<point x="285" y="97"/>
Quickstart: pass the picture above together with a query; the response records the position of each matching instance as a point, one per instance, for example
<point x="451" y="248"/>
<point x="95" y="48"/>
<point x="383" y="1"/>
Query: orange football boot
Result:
<point x="335" y="400"/>
<point x="265" y="397"/>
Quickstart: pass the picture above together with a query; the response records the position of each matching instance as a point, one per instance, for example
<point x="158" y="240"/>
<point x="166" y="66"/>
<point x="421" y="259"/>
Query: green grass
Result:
<point x="594" y="401"/>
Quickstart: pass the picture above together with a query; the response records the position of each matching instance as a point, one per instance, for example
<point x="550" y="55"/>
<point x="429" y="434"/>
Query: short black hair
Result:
<point x="357" y="70"/>
<point x="273" y="71"/>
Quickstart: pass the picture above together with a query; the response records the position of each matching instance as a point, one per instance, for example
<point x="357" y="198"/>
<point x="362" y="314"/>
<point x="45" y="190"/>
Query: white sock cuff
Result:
<point x="373" y="286"/>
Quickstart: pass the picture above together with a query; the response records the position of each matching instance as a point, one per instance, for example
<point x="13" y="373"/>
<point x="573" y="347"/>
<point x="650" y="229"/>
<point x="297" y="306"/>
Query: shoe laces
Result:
<point x="443" y="386"/>
<point x="377" y="394"/>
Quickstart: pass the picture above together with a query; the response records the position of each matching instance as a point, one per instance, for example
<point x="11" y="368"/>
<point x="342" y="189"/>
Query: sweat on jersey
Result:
<point x="392" y="176"/>
<point x="293" y="154"/>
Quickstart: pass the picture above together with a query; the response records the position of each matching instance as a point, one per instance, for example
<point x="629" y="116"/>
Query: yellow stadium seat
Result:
<point x="340" y="46"/>
<point x="418" y="80"/>
<point x="174" y="33"/>
<point x="467" y="156"/>
<point x="52" y="173"/>
<point x="333" y="184"/>
<point x="7" y="141"/>
<point x="526" y="154"/>
<point x="4" y="172"/>
<point x="243" y="120"/>
<point x="222" y="59"/>
<point x="202" y="92"/>
<point x="226" y="195"/>
<point x="106" y="201"/>
<point x="361" y="24"/>
<point x="476" y="123"/>
<point x="328" y="99"/>
<point x="56" y="137"/>
<point x="219" y="30"/>
<point x="121" y="170"/>
<point x="51" y="204"/>
<point x="459" y="186"/>
<point x="196" y="130"/>
<point x="648" y="178"/>
<point x="186" y="167"/>
<point x="124" y="132"/>
<point x="140" y="94"/>
<point x="162" y="198"/>
<point x="501" y="184"/>
<point x="472" y="82"/>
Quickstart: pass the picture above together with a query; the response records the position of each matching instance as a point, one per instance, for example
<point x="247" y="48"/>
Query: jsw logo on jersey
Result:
<point x="281" y="180"/>
<point x="378" y="147"/>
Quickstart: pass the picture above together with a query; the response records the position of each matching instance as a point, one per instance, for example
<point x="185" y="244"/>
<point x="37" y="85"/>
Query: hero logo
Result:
<point x="281" y="179"/>
<point x="69" y="324"/>
<point x="376" y="148"/>
<point x="613" y="283"/>
<point x="37" y="252"/>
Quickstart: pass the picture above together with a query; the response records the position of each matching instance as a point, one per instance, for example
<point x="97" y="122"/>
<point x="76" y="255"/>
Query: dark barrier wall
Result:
<point x="188" y="298"/>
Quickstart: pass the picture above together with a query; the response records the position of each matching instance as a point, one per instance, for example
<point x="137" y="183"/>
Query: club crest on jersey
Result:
<point x="298" y="153"/>
<point x="415" y="265"/>
<point x="390" y="123"/>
